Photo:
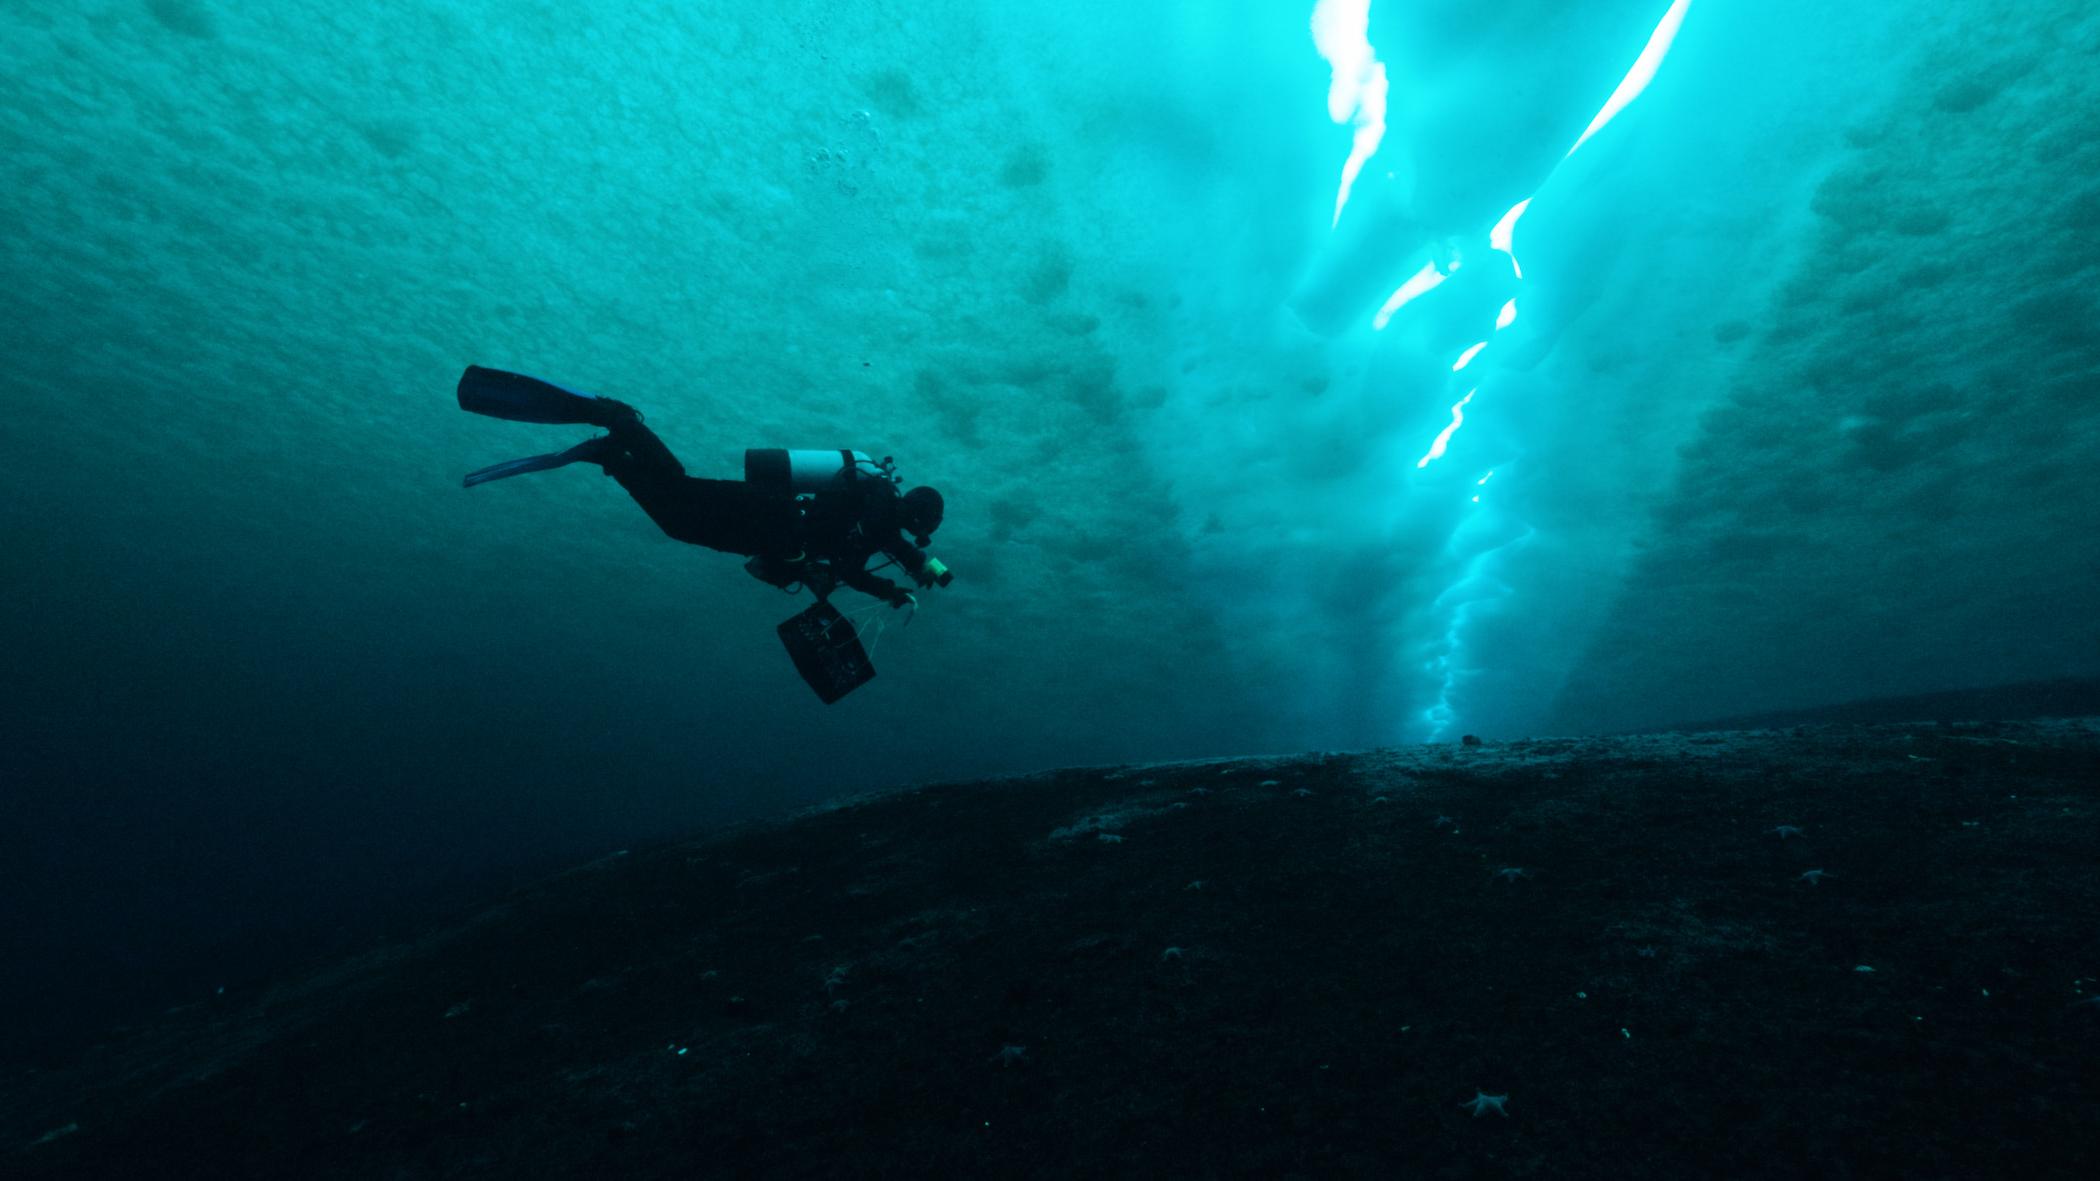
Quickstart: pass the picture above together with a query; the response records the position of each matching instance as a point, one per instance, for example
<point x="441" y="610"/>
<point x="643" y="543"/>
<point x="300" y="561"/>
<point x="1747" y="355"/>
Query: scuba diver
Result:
<point x="813" y="518"/>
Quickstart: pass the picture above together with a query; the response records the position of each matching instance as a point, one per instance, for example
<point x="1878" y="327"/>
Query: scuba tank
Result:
<point x="801" y="473"/>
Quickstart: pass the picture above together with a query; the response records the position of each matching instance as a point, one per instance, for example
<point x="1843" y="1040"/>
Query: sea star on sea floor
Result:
<point x="1482" y="1103"/>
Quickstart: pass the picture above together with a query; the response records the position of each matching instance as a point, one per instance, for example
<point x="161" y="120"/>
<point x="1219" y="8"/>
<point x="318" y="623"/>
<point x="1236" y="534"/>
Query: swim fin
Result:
<point x="519" y="398"/>
<point x="590" y="450"/>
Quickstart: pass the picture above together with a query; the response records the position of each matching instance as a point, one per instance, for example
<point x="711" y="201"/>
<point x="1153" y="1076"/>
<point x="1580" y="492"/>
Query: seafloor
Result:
<point x="1297" y="967"/>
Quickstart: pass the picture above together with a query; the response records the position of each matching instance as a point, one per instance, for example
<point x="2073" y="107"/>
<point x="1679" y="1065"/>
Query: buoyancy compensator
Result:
<point x="824" y="644"/>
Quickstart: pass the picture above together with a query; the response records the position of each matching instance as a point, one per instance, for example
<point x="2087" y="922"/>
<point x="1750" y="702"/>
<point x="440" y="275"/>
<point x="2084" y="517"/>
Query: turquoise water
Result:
<point x="1794" y="402"/>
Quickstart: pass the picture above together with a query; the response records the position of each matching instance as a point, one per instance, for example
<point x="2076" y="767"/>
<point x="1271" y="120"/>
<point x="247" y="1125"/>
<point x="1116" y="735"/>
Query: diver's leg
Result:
<point x="726" y="515"/>
<point x="719" y="514"/>
<point x="638" y="450"/>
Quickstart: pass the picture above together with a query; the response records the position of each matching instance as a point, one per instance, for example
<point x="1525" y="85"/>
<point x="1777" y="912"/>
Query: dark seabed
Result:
<point x="1829" y="951"/>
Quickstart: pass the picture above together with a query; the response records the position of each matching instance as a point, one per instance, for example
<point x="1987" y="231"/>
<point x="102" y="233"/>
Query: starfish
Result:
<point x="1482" y="1103"/>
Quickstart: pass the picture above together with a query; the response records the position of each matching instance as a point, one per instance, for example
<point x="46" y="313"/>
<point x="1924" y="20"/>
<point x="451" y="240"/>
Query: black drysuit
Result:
<point x="842" y="528"/>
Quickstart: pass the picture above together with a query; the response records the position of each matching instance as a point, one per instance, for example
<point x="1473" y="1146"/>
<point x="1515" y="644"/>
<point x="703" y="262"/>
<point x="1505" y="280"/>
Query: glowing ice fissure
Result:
<point x="1443" y="440"/>
<point x="1444" y="714"/>
<point x="1641" y="74"/>
<point x="1420" y="283"/>
<point x="1341" y="32"/>
<point x="1469" y="585"/>
<point x="1502" y="236"/>
<point x="1357" y="93"/>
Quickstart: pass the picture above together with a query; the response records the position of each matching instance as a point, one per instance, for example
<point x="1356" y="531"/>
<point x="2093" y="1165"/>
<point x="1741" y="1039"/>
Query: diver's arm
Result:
<point x="909" y="556"/>
<point x="872" y="584"/>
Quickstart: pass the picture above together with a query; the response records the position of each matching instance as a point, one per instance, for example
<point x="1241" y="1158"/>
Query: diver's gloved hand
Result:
<point x="900" y="597"/>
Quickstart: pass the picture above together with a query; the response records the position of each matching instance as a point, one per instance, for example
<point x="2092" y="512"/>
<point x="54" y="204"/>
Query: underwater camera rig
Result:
<point x="826" y="649"/>
<point x="824" y="644"/>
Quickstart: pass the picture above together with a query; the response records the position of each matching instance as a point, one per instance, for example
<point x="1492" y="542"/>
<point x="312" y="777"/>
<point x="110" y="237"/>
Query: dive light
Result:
<point x="936" y="573"/>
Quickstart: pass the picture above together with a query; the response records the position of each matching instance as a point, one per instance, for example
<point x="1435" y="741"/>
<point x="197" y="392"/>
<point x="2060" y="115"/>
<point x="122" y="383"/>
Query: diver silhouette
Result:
<point x="805" y="519"/>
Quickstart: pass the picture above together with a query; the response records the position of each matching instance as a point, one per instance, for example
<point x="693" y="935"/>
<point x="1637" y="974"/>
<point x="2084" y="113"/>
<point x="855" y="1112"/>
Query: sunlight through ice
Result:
<point x="1420" y="283"/>
<point x="1357" y="93"/>
<point x="1341" y="32"/>
<point x="1501" y="237"/>
<point x="1458" y="419"/>
<point x="1643" y="71"/>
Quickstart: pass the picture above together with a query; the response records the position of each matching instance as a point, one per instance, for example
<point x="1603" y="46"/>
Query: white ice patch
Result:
<point x="1641" y="74"/>
<point x="1443" y="440"/>
<point x="1421" y="283"/>
<point x="1357" y="91"/>
<point x="1503" y="236"/>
